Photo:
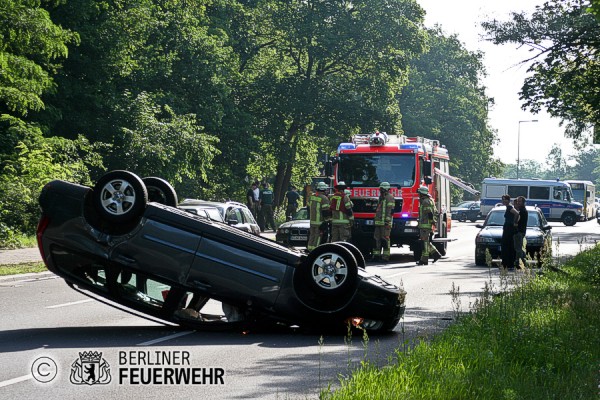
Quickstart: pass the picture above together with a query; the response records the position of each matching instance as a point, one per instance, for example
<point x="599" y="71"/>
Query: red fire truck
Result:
<point x="406" y="163"/>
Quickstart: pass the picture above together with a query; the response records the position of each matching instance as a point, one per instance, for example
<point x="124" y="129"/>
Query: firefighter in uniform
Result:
<point x="320" y="214"/>
<point x="342" y="217"/>
<point x="383" y="222"/>
<point x="427" y="218"/>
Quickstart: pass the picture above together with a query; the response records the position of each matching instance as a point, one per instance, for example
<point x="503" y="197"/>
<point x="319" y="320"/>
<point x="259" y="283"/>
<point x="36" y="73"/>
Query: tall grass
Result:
<point x="536" y="337"/>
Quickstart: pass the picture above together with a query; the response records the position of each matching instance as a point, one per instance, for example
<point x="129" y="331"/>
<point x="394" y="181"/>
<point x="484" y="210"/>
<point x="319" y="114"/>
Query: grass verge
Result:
<point x="537" y="338"/>
<point x="23" y="268"/>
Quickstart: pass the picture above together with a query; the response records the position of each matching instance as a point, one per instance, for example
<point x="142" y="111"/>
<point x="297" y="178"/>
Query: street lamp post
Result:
<point x="519" y="144"/>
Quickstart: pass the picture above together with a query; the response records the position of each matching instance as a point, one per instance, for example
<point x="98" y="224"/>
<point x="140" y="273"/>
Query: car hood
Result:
<point x="300" y="223"/>
<point x="496" y="231"/>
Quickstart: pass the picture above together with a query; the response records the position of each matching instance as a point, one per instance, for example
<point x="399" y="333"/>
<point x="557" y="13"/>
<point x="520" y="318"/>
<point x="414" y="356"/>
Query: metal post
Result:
<point x="519" y="144"/>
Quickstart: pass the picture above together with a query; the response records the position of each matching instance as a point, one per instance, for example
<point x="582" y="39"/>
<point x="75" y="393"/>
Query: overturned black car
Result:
<point x="156" y="261"/>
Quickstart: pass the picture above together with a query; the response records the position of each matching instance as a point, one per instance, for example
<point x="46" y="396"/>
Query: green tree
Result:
<point x="445" y="100"/>
<point x="152" y="80"/>
<point x="564" y="38"/>
<point x="586" y="167"/>
<point x="319" y="70"/>
<point x="32" y="47"/>
<point x="557" y="164"/>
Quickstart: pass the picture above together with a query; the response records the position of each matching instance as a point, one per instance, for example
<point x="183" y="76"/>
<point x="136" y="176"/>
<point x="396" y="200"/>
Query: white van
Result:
<point x="585" y="193"/>
<point x="554" y="198"/>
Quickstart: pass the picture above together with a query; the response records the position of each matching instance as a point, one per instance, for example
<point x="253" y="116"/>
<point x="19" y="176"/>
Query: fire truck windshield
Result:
<point x="369" y="170"/>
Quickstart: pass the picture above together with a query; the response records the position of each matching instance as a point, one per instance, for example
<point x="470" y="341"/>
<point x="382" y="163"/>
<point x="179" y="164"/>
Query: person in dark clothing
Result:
<point x="266" y="212"/>
<point x="521" y="229"/>
<point x="508" y="232"/>
<point x="292" y="196"/>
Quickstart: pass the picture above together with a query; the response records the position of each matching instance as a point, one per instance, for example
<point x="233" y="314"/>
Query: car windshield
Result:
<point x="496" y="218"/>
<point x="464" y="204"/>
<point x="302" y="214"/>
<point x="366" y="170"/>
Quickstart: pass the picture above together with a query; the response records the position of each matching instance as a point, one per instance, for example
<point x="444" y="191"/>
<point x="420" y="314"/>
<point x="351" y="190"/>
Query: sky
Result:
<point x="505" y="77"/>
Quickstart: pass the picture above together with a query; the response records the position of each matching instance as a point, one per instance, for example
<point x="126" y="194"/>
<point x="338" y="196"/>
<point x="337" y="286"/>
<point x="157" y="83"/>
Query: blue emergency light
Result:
<point x="410" y="146"/>
<point x="346" y="146"/>
<point x="404" y="215"/>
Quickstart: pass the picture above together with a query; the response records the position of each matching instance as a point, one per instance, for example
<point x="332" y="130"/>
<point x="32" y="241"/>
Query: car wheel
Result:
<point x="462" y="217"/>
<point x="479" y="259"/>
<point x="120" y="196"/>
<point x="358" y="256"/>
<point x="328" y="278"/>
<point x="160" y="191"/>
<point x="569" y="219"/>
<point x="473" y="219"/>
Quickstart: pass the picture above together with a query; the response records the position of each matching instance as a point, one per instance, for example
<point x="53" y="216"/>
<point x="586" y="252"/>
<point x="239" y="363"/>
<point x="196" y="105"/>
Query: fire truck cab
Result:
<point x="406" y="163"/>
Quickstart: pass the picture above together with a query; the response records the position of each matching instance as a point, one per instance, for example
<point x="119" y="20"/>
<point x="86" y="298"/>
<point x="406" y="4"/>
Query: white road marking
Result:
<point x="394" y="275"/>
<point x="16" y="380"/>
<point x="162" y="339"/>
<point x="70" y="304"/>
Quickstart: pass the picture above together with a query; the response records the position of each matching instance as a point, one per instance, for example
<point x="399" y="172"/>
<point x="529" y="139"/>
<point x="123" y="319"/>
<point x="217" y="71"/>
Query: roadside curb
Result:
<point x="29" y="276"/>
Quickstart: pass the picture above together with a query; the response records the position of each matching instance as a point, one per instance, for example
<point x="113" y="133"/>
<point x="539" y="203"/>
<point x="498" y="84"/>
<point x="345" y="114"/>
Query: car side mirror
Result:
<point x="479" y="226"/>
<point x="546" y="228"/>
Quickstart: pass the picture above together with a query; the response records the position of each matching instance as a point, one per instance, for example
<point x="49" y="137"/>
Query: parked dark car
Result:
<point x="598" y="214"/>
<point x="233" y="213"/>
<point x="156" y="261"/>
<point x="538" y="235"/>
<point x="467" y="210"/>
<point x="295" y="232"/>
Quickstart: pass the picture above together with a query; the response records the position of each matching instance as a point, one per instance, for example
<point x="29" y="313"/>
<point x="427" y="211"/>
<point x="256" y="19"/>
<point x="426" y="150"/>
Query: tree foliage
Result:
<point x="321" y="69"/>
<point x="564" y="38"/>
<point x="445" y="100"/>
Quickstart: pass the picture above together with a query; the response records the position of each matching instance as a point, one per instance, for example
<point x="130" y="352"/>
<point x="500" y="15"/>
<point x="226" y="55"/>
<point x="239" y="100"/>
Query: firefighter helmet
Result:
<point x="423" y="190"/>
<point x="384" y="185"/>
<point x="347" y="192"/>
<point x="341" y="185"/>
<point x="322" y="186"/>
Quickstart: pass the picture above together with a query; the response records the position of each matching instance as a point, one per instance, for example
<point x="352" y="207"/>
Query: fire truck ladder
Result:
<point x="459" y="182"/>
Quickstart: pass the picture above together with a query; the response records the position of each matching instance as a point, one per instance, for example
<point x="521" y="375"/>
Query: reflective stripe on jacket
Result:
<point x="427" y="207"/>
<point x="385" y="209"/>
<point x="340" y="204"/>
<point x="318" y="203"/>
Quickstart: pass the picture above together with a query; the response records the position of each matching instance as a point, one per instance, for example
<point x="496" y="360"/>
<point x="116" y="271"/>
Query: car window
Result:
<point x="248" y="216"/>
<point x="533" y="219"/>
<point x="495" y="218"/>
<point x="463" y="204"/>
<point x="214" y="214"/>
<point x="302" y="214"/>
<point x="234" y="213"/>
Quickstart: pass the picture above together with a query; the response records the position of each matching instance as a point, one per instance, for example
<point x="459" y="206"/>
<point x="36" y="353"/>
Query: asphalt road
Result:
<point x="46" y="327"/>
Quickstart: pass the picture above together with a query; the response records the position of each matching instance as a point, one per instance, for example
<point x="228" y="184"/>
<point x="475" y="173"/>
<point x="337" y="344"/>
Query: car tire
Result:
<point x="119" y="197"/>
<point x="315" y="289"/>
<point x="462" y="217"/>
<point x="479" y="259"/>
<point x="474" y="219"/>
<point x="569" y="219"/>
<point x="160" y="191"/>
<point x="360" y="259"/>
